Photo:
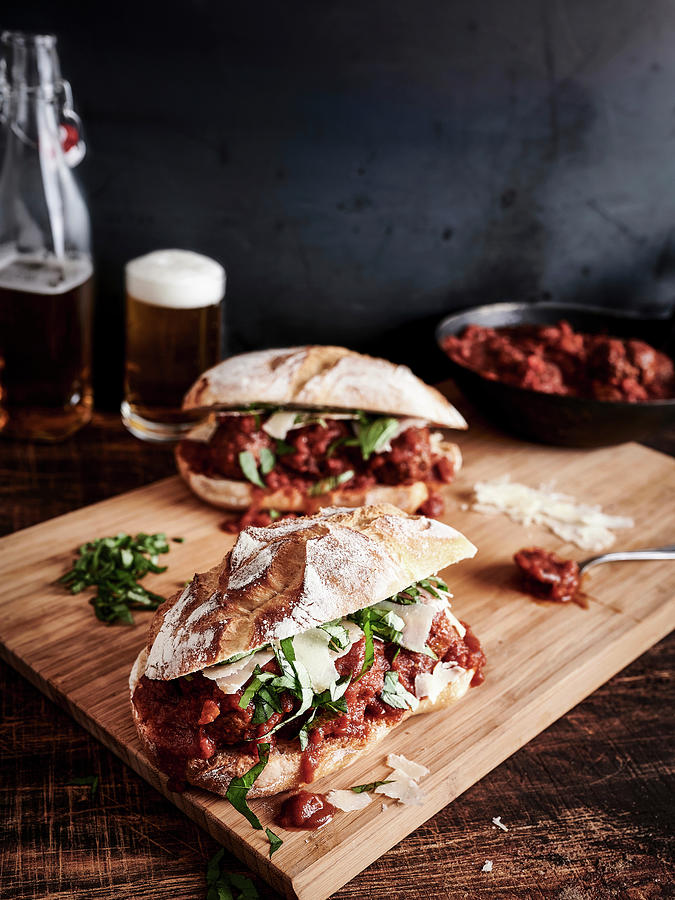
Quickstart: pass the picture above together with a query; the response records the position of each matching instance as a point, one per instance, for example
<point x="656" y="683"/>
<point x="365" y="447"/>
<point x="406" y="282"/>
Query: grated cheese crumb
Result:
<point x="348" y="801"/>
<point x="586" y="526"/>
<point x="407" y="766"/>
<point x="498" y="822"/>
<point x="487" y="866"/>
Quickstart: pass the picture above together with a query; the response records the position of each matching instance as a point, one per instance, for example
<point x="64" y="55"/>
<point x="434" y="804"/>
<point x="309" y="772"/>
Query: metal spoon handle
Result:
<point x="625" y="555"/>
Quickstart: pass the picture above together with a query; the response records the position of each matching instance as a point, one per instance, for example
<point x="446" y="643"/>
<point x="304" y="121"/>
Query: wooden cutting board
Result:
<point x="542" y="658"/>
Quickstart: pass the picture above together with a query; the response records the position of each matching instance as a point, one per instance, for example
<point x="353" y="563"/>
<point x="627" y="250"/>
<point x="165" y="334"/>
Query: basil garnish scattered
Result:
<point x="91" y="781"/>
<point x="249" y="468"/>
<point x="373" y="434"/>
<point x="267" y="460"/>
<point x="394" y="694"/>
<point x="369" y="655"/>
<point x="228" y="885"/>
<point x="411" y="594"/>
<point x="383" y="623"/>
<point x="339" y="636"/>
<point x="238" y="789"/>
<point x="115" y="566"/>
<point x="363" y="788"/>
<point x="330" y="483"/>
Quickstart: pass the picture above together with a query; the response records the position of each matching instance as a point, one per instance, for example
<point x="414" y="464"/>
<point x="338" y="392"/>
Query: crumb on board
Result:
<point x="498" y="822"/>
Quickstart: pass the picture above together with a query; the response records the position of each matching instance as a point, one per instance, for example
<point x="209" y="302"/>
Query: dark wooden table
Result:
<point x="589" y="803"/>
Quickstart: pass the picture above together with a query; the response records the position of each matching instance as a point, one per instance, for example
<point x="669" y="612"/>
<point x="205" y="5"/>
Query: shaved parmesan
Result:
<point x="279" y="424"/>
<point x="432" y="684"/>
<point x="407" y="766"/>
<point x="311" y="649"/>
<point x="233" y="676"/>
<point x="498" y="822"/>
<point x="348" y="801"/>
<point x="403" y="789"/>
<point x="487" y="866"/>
<point x="586" y="526"/>
<point x="417" y="619"/>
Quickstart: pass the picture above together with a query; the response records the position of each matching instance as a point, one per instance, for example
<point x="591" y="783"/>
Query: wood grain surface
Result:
<point x="476" y="456"/>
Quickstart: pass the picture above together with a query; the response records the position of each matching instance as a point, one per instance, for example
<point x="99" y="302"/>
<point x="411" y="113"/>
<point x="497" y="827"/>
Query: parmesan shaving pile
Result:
<point x="402" y="785"/>
<point x="578" y="523"/>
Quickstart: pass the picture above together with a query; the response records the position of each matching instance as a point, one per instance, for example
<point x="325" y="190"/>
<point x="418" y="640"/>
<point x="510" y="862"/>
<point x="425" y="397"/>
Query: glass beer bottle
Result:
<point x="45" y="258"/>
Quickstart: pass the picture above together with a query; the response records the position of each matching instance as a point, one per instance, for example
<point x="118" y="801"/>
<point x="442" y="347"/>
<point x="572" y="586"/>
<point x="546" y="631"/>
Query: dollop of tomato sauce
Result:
<point x="547" y="576"/>
<point x="555" y="359"/>
<point x="306" y="810"/>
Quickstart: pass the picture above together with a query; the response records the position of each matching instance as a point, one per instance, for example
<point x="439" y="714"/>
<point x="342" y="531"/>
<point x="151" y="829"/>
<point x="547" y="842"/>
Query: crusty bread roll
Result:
<point x="293" y="575"/>
<point x="319" y="377"/>
<point x="281" y="580"/>
<point x="237" y="494"/>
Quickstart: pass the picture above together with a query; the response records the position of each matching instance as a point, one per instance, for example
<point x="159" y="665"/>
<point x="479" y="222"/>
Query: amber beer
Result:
<point x="174" y="330"/>
<point x="45" y="345"/>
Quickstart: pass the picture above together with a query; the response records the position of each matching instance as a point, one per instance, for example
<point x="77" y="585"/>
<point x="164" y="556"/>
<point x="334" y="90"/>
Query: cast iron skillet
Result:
<point x="551" y="418"/>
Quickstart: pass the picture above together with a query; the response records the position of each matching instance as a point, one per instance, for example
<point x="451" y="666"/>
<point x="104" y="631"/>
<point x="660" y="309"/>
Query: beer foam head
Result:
<point x="176" y="278"/>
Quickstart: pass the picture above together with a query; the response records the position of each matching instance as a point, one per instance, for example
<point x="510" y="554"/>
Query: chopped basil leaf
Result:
<point x="384" y="624"/>
<point x="329" y="484"/>
<point x="178" y="540"/>
<point x="369" y="654"/>
<point x="249" y="468"/>
<point x="228" y="885"/>
<point x="373" y="434"/>
<point x="283" y="448"/>
<point x="394" y="694"/>
<point x="115" y="566"/>
<point x="267" y="460"/>
<point x="274" y="514"/>
<point x="259" y="680"/>
<point x="303" y="734"/>
<point x="266" y="703"/>
<point x="339" y="636"/>
<point x="294" y="678"/>
<point x="363" y="788"/>
<point x="239" y="787"/>
<point x="91" y="781"/>
<point x="275" y="841"/>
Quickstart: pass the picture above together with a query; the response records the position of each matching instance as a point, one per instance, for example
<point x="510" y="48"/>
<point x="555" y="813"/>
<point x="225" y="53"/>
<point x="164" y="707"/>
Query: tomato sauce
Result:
<point x="555" y="359"/>
<point x="306" y="810"/>
<point x="547" y="576"/>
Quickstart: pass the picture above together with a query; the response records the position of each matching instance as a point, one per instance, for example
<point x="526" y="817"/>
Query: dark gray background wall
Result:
<point x="362" y="167"/>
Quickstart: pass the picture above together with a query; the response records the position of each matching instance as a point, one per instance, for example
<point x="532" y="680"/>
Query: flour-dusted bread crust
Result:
<point x="283" y="771"/>
<point x="319" y="377"/>
<point x="293" y="575"/>
<point x="236" y="494"/>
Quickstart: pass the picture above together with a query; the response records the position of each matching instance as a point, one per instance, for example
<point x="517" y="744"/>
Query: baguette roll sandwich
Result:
<point x="296" y="429"/>
<point x="305" y="646"/>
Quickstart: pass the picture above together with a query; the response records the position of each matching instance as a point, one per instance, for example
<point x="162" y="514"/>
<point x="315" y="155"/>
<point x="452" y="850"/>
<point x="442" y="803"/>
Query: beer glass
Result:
<point x="46" y="303"/>
<point x="174" y="331"/>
